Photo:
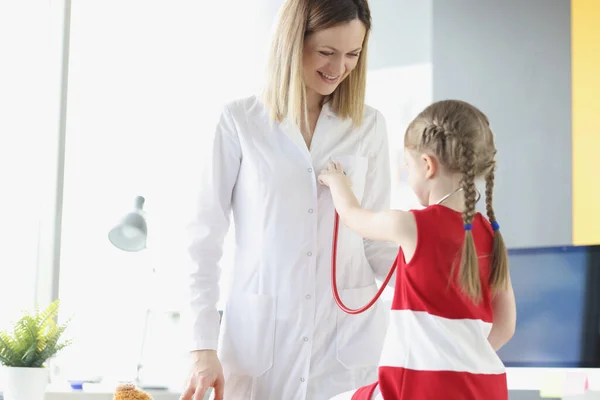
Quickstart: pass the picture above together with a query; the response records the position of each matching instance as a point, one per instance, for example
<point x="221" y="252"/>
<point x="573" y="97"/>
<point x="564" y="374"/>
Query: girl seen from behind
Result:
<point x="453" y="304"/>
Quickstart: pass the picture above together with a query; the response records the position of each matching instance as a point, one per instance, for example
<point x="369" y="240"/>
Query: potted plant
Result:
<point x="35" y="339"/>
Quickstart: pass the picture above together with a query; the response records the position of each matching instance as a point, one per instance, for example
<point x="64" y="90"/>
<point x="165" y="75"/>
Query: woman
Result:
<point x="283" y="336"/>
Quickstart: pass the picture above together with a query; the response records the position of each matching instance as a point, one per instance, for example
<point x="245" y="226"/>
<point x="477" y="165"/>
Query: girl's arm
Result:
<point x="388" y="226"/>
<point x="504" y="312"/>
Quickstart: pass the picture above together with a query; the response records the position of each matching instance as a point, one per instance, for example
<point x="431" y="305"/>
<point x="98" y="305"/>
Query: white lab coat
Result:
<point x="283" y="337"/>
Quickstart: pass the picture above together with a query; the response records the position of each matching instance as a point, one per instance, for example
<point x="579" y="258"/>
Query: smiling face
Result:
<point x="330" y="55"/>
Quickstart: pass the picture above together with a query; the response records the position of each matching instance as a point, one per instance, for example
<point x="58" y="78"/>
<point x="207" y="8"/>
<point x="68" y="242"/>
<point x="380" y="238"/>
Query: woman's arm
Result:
<point x="504" y="312"/>
<point x="208" y="229"/>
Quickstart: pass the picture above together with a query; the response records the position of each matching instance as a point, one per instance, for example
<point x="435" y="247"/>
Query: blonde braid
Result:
<point x="499" y="263"/>
<point x="489" y="191"/>
<point x="468" y="274"/>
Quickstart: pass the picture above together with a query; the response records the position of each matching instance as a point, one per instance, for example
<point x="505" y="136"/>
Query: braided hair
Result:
<point x="459" y="136"/>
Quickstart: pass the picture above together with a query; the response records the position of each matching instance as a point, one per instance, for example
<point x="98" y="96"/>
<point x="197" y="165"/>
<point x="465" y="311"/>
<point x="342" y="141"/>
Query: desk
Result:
<point x="526" y="383"/>
<point x="107" y="395"/>
<point x="523" y="384"/>
<point x="104" y="396"/>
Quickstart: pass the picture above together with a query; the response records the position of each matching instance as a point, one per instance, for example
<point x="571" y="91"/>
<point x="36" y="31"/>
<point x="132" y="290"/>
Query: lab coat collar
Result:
<point x="292" y="130"/>
<point x="326" y="110"/>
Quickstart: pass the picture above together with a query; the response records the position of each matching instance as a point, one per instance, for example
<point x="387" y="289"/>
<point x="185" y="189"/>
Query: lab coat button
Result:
<point x="308" y="296"/>
<point x="305" y="339"/>
<point x="309" y="254"/>
<point x="310" y="211"/>
<point x="310" y="170"/>
<point x="301" y="379"/>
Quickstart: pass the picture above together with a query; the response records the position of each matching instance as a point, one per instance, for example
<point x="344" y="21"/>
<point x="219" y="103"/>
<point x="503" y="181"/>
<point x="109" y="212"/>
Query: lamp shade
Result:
<point x="130" y="234"/>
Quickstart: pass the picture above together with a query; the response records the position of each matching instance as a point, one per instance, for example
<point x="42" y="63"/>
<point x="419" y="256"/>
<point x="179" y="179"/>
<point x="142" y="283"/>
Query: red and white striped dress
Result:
<point x="436" y="345"/>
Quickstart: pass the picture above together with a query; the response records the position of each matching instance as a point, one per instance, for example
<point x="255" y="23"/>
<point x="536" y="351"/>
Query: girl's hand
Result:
<point x="334" y="173"/>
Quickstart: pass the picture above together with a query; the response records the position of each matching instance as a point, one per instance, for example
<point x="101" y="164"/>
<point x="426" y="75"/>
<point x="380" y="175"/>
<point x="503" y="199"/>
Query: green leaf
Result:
<point x="35" y="339"/>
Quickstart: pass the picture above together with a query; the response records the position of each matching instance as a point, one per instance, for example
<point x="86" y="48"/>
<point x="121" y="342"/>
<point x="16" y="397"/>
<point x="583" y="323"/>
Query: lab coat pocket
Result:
<point x="248" y="337"/>
<point x="359" y="338"/>
<point x="355" y="168"/>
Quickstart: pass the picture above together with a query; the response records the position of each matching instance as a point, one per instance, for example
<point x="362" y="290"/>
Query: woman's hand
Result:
<point x="206" y="373"/>
<point x="334" y="174"/>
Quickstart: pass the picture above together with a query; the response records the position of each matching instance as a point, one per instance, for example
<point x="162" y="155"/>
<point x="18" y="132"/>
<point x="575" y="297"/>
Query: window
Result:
<point x="147" y="81"/>
<point x="25" y="138"/>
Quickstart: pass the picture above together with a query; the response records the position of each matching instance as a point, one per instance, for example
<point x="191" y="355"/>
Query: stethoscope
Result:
<point x="334" y="288"/>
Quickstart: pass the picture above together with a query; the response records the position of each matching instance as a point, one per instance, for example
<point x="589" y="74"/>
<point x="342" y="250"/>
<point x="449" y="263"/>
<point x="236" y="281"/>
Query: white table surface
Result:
<point x="519" y="379"/>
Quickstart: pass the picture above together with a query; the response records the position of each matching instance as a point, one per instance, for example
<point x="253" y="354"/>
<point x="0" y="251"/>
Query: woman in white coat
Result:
<point x="282" y="336"/>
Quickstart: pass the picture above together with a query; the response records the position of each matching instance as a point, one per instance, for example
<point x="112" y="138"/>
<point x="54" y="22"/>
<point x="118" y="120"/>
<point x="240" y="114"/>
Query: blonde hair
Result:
<point x="285" y="91"/>
<point x="459" y="136"/>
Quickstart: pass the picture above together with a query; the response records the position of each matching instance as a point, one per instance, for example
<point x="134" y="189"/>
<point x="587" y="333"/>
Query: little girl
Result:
<point x="452" y="278"/>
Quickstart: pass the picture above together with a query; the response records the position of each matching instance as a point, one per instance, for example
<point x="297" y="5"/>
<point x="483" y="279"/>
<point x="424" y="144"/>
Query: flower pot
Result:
<point x="25" y="383"/>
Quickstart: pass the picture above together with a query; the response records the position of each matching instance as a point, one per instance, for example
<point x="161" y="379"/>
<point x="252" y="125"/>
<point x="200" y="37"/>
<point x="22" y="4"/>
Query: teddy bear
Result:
<point x="128" y="391"/>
